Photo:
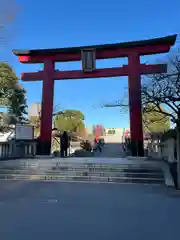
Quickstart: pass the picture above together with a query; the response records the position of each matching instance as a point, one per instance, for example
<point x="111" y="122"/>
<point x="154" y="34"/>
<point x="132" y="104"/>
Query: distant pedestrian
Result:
<point x="64" y="144"/>
<point x="96" y="140"/>
<point x="97" y="145"/>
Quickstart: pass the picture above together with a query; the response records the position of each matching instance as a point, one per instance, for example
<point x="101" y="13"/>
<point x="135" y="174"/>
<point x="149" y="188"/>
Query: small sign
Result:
<point x="88" y="57"/>
<point x="24" y="132"/>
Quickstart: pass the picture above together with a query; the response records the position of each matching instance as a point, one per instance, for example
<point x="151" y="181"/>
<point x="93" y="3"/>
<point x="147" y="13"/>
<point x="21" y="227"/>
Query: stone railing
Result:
<point x="164" y="150"/>
<point x="17" y="149"/>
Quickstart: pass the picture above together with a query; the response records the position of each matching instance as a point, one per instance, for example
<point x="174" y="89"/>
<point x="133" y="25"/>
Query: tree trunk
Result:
<point x="178" y="155"/>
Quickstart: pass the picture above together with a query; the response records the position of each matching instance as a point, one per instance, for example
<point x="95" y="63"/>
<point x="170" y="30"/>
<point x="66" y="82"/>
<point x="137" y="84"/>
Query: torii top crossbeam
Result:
<point x="104" y="51"/>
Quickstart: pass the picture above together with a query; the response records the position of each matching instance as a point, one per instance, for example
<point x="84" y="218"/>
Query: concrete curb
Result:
<point x="136" y="158"/>
<point x="169" y="181"/>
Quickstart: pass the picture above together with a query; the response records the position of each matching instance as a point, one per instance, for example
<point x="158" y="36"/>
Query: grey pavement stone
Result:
<point x="46" y="210"/>
<point x="111" y="150"/>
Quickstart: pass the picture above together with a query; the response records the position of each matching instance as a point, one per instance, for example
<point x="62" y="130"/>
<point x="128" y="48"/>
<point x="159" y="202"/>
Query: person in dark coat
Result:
<point x="64" y="144"/>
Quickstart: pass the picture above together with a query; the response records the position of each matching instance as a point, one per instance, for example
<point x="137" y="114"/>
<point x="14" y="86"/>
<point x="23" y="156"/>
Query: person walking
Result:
<point x="97" y="145"/>
<point x="64" y="144"/>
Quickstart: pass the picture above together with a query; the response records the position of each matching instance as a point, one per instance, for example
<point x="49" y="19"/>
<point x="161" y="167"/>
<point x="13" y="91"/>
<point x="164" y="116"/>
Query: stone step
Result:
<point x="81" y="178"/>
<point x="48" y="164"/>
<point x="92" y="169"/>
<point x="54" y="164"/>
<point x="86" y="173"/>
<point x="141" y="173"/>
<point x="79" y="170"/>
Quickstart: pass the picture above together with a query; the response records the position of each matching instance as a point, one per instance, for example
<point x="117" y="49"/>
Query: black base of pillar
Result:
<point x="137" y="148"/>
<point x="43" y="148"/>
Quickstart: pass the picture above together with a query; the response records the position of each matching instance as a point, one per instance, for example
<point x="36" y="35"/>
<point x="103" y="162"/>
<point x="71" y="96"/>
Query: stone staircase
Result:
<point x="84" y="171"/>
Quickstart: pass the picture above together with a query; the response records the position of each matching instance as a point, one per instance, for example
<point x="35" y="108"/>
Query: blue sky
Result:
<point x="53" y="24"/>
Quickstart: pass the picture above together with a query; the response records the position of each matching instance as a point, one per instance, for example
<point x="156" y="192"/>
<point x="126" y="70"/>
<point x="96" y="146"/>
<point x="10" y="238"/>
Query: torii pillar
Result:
<point x="47" y="107"/>
<point x="134" y="83"/>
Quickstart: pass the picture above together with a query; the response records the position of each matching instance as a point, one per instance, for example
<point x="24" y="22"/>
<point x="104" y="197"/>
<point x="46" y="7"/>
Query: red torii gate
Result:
<point x="132" y="50"/>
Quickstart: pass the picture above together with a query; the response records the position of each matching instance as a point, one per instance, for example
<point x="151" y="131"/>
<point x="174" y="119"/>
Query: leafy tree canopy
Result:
<point x="18" y="106"/>
<point x="35" y="121"/>
<point x="155" y="121"/>
<point x="8" y="79"/>
<point x="12" y="94"/>
<point x="71" y="121"/>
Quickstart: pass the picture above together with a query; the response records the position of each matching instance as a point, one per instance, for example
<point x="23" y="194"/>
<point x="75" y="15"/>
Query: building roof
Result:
<point x="163" y="40"/>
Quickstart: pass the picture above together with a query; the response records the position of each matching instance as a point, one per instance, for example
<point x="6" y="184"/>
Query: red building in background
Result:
<point x="98" y="130"/>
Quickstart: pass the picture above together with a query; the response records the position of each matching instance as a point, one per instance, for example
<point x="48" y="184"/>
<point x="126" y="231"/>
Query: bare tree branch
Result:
<point x="164" y="90"/>
<point x="8" y="11"/>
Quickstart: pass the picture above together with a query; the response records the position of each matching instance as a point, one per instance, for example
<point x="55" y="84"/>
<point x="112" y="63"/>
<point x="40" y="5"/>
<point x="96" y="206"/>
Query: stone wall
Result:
<point x="165" y="150"/>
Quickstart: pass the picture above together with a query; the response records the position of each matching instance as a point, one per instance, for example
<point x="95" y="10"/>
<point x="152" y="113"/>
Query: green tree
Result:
<point x="35" y="121"/>
<point x="8" y="80"/>
<point x="70" y="120"/>
<point x="17" y="107"/>
<point x="12" y="94"/>
<point x="154" y="121"/>
<point x="81" y="131"/>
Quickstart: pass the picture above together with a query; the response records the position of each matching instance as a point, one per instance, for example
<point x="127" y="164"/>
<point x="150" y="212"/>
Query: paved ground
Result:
<point x="46" y="210"/>
<point x="111" y="150"/>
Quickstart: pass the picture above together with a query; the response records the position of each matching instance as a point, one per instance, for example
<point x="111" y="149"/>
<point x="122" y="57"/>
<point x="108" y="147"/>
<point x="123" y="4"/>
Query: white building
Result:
<point x="115" y="135"/>
<point x="34" y="110"/>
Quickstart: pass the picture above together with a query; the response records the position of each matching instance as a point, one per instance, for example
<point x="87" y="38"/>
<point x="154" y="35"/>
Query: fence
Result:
<point x="165" y="150"/>
<point x="17" y="149"/>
